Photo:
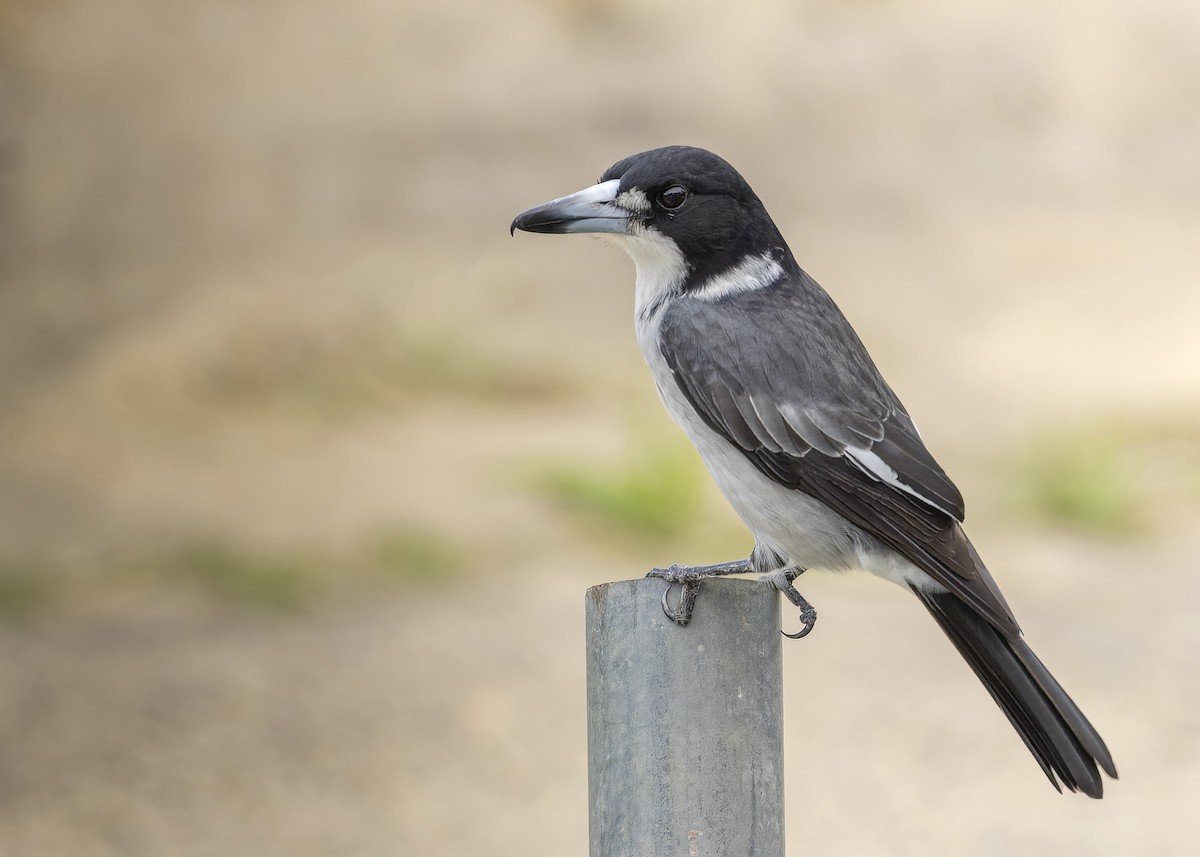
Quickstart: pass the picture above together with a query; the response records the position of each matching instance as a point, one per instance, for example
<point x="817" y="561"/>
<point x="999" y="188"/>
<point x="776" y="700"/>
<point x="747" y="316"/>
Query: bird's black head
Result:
<point x="685" y="216"/>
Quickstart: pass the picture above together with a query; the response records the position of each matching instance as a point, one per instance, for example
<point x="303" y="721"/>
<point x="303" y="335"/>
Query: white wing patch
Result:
<point x="879" y="470"/>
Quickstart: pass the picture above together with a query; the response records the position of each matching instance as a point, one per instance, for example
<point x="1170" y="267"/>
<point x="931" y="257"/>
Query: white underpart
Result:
<point x="752" y="273"/>
<point x="788" y="522"/>
<point x="878" y="469"/>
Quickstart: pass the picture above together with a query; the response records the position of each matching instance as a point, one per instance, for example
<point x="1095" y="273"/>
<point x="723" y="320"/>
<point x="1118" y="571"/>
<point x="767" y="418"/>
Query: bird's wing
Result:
<point x="784" y="378"/>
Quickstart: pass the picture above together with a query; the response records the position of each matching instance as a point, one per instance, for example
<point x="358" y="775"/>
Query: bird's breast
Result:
<point x="789" y="522"/>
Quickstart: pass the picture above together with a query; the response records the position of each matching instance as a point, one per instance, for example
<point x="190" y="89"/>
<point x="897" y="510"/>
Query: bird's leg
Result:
<point x="782" y="580"/>
<point x="689" y="577"/>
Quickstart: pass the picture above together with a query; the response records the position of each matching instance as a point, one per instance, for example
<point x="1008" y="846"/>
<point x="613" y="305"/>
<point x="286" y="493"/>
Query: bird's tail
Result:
<point x="1053" y="728"/>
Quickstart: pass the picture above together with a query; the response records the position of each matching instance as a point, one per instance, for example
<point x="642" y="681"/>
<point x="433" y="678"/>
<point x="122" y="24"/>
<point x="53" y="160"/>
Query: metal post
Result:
<point x="685" y="739"/>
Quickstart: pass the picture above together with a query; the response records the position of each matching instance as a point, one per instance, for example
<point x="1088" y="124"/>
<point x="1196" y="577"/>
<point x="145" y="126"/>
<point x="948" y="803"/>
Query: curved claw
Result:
<point x="682" y="614"/>
<point x="782" y="580"/>
<point x="808" y="615"/>
<point x="666" y="607"/>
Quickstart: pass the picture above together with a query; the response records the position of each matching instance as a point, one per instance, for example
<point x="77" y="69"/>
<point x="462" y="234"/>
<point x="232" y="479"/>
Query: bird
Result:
<point x="800" y="431"/>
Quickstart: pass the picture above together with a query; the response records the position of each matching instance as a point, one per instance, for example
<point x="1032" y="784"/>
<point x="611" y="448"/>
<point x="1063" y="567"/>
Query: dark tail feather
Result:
<point x="1051" y="725"/>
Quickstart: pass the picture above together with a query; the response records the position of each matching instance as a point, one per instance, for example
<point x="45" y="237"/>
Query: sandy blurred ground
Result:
<point x="279" y="572"/>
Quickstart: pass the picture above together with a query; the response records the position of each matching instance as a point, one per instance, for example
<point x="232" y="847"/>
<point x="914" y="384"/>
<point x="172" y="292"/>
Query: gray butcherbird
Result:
<point x="800" y="431"/>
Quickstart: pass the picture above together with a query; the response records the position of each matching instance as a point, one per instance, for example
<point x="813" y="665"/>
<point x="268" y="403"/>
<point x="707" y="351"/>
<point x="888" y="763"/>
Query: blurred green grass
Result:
<point x="223" y="572"/>
<point x="1082" y="479"/>
<point x="25" y="588"/>
<point x="1117" y="476"/>
<point x="417" y="556"/>
<point x="656" y="491"/>
<point x="235" y="575"/>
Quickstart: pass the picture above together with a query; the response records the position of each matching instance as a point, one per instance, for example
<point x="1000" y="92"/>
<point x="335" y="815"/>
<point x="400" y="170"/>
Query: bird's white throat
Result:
<point x="661" y="268"/>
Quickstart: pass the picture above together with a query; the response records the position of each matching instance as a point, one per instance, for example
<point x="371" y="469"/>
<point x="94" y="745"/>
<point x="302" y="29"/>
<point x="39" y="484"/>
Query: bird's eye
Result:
<point x="673" y="197"/>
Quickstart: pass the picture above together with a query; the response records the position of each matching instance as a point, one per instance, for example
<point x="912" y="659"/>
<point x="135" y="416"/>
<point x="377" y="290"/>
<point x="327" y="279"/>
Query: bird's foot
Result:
<point x="688" y="578"/>
<point x="782" y="580"/>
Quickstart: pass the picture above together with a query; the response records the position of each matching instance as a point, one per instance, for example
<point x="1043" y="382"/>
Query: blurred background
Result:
<point x="305" y="464"/>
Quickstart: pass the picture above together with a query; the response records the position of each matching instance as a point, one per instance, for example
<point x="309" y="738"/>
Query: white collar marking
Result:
<point x="750" y="274"/>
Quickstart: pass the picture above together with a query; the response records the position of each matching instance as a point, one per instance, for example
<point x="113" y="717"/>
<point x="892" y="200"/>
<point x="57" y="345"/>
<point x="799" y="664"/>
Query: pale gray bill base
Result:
<point x="592" y="209"/>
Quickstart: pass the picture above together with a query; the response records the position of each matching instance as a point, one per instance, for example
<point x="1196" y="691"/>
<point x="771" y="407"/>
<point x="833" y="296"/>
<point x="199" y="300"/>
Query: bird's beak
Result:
<point x="592" y="209"/>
